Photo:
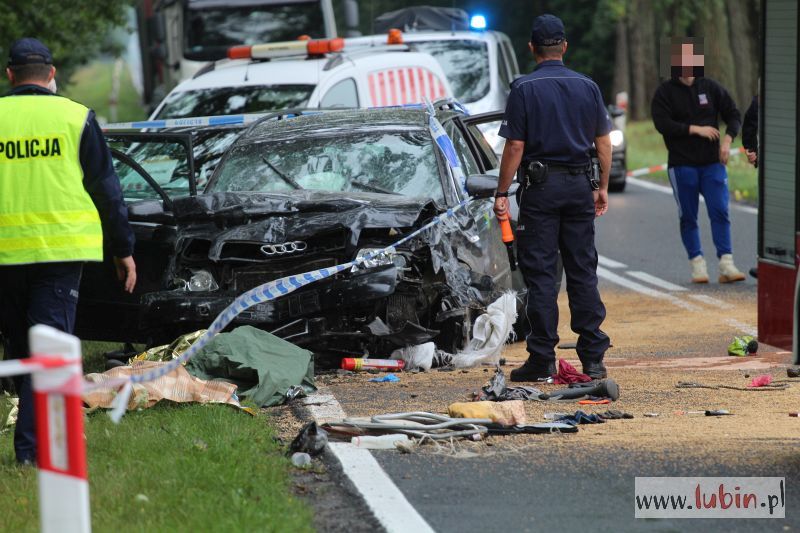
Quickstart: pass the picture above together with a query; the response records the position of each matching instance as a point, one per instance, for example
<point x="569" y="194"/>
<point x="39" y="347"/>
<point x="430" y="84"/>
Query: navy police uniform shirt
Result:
<point x="557" y="112"/>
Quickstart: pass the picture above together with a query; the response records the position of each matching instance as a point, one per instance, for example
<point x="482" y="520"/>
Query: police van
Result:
<point x="324" y="73"/>
<point x="480" y="64"/>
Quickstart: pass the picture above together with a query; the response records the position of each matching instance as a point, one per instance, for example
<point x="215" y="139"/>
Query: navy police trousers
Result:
<point x="42" y="293"/>
<point x="558" y="214"/>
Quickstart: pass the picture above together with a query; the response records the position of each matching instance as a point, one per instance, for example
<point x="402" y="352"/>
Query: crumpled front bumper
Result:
<point x="165" y="309"/>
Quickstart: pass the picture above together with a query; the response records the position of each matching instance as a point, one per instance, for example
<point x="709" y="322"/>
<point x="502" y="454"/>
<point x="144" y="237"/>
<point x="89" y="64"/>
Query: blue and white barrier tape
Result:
<point x="185" y="122"/>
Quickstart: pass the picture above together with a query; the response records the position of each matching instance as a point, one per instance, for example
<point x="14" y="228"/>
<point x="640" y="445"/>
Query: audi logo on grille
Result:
<point x="283" y="249"/>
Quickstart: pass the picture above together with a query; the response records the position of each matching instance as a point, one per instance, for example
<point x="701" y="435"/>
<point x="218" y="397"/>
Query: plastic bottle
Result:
<point x="301" y="460"/>
<point x="367" y="364"/>
<point x="381" y="442"/>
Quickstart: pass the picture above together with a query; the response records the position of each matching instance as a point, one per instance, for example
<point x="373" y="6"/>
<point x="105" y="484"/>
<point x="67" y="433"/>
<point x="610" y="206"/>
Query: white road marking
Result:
<point x="668" y="190"/>
<point x="391" y="508"/>
<point x="653" y="280"/>
<point x="711" y="301"/>
<point x="632" y="285"/>
<point x="610" y="263"/>
<point x="741" y="326"/>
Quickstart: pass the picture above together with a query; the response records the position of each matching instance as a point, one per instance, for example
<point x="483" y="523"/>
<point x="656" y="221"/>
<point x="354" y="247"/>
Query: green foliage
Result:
<point x="75" y="31"/>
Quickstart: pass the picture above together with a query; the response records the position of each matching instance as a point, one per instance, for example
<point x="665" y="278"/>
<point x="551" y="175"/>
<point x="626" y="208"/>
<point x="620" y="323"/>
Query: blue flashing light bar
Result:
<point x="477" y="22"/>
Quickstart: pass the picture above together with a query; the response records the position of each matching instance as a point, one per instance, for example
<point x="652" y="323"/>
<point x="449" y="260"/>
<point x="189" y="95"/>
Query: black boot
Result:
<point x="595" y="370"/>
<point x="533" y="372"/>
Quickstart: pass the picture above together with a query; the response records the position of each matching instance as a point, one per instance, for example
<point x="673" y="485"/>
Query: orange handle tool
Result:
<point x="508" y="239"/>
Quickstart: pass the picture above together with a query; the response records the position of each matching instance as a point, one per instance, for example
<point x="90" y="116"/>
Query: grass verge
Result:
<point x="646" y="148"/>
<point x="91" y="86"/>
<point x="175" y="467"/>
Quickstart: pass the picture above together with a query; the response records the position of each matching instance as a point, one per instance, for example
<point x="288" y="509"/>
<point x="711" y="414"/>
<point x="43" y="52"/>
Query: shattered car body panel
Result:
<point x="225" y="242"/>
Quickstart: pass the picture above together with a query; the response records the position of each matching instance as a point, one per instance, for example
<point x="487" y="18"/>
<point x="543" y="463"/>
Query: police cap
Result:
<point x="29" y="51"/>
<point x="547" y="31"/>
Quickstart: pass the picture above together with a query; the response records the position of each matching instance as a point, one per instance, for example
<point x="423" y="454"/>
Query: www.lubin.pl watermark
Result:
<point x="710" y="497"/>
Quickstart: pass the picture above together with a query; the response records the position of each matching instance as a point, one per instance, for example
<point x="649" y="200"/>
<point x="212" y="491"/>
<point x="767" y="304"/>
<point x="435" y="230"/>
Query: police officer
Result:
<point x="552" y="118"/>
<point x="59" y="196"/>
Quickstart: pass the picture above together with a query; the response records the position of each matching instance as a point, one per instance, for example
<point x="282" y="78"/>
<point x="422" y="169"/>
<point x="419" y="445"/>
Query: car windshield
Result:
<point x="209" y="32"/>
<point x="387" y="162"/>
<point x="466" y="64"/>
<point x="234" y="100"/>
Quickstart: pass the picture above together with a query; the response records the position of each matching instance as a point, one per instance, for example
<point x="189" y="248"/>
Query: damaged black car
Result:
<point x="298" y="195"/>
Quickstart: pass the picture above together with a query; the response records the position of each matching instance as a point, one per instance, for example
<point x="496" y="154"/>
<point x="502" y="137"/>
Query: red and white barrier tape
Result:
<point x="659" y="168"/>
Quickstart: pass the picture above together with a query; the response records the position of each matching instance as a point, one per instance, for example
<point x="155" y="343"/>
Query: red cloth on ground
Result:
<point x="569" y="374"/>
<point x="761" y="381"/>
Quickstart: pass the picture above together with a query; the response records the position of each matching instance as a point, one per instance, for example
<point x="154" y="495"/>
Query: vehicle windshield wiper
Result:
<point x="280" y="174"/>
<point x="368" y="187"/>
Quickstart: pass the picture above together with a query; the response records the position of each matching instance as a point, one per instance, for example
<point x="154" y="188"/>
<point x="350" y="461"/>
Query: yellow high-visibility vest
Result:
<point x="46" y="215"/>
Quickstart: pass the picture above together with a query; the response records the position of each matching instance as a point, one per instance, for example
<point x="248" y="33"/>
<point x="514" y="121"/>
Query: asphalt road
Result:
<point x="641" y="230"/>
<point x="543" y="489"/>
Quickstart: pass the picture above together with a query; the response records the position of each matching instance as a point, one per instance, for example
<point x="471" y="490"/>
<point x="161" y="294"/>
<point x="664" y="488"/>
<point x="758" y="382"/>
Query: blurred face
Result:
<point x="686" y="61"/>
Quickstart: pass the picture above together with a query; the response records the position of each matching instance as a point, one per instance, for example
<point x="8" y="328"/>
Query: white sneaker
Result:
<point x="728" y="273"/>
<point x="699" y="269"/>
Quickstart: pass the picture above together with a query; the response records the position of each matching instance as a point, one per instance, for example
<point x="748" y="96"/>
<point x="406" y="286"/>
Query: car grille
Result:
<point x="247" y="278"/>
<point x="251" y="251"/>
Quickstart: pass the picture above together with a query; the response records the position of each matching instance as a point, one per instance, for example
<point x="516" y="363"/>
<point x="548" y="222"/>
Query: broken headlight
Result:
<point x="379" y="257"/>
<point x="201" y="281"/>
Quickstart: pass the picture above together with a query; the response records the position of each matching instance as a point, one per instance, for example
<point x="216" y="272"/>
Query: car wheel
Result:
<point x="618" y="186"/>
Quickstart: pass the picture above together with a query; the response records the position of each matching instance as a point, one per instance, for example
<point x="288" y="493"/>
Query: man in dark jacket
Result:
<point x="686" y="110"/>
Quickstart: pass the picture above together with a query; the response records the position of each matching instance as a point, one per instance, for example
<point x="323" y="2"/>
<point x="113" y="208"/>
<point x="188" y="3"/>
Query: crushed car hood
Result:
<point x="279" y="218"/>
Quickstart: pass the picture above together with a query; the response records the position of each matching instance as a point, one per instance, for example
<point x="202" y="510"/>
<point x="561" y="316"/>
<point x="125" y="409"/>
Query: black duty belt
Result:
<point x="565" y="168"/>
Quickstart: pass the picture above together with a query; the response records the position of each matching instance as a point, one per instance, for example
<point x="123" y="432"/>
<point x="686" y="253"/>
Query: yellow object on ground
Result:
<point x="177" y="386"/>
<point x="508" y="413"/>
<point x="167" y="352"/>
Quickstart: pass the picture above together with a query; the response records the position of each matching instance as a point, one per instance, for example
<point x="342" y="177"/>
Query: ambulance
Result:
<point x="321" y="73"/>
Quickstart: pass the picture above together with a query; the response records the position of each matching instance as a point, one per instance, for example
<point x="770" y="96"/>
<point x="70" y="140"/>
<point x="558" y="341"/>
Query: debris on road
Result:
<point x="568" y="374"/>
<point x="793" y="372"/>
<point x="707" y="412"/>
<point x="615" y="415"/>
<point x="604" y="401"/>
<point x="489" y="333"/>
<point x="311" y="439"/>
<point x="379" y="442"/>
<point x="388" y="378"/>
<point x="761" y="381"/>
<point x="497" y="391"/>
<point x="581" y="417"/>
<point x="651" y="415"/>
<point x="508" y="413"/>
<point x="606" y="388"/>
<point x="301" y="459"/>
<point x="416" y="424"/>
<point x="743" y="346"/>
<point x="421" y="356"/>
<point x="360" y="363"/>
<point x="695" y="385"/>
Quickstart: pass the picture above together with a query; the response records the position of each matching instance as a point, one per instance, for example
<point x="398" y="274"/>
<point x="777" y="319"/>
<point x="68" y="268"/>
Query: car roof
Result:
<point x="326" y="123"/>
<point x="302" y="71"/>
<point x="416" y="36"/>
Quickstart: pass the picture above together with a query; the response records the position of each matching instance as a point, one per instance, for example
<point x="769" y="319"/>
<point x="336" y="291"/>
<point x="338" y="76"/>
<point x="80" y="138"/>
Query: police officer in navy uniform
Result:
<point x="553" y="117"/>
<point x="60" y="199"/>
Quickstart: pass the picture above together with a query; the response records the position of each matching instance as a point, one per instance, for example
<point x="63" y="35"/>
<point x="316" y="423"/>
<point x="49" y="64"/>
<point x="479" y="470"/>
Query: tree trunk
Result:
<point x="644" y="58"/>
<point x="719" y="65"/>
<point x="622" y="71"/>
<point x="743" y="35"/>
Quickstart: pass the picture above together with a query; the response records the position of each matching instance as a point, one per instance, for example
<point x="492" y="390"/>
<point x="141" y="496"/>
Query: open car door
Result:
<point x="153" y="169"/>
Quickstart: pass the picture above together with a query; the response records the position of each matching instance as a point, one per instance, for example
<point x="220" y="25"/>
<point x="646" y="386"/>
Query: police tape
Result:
<point x="277" y="288"/>
<point x="659" y="168"/>
<point x="224" y="120"/>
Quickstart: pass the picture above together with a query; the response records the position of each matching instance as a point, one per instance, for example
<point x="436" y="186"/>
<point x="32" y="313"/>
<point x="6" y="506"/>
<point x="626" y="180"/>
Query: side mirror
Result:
<point x="481" y="185"/>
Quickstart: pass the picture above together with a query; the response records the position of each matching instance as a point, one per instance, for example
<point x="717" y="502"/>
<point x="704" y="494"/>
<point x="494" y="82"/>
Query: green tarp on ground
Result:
<point x="262" y="365"/>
